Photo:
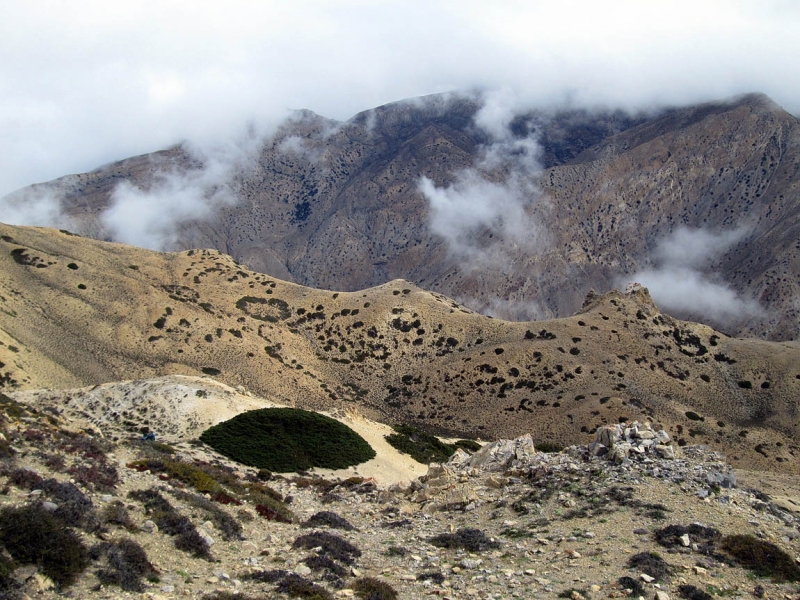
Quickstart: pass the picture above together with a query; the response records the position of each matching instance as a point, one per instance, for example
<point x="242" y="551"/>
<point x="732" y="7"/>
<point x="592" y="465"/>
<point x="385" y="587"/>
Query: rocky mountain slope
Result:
<point x="339" y="205"/>
<point x="77" y="312"/>
<point x="128" y="518"/>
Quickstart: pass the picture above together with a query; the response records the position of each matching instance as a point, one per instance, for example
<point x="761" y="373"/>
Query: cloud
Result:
<point x="680" y="282"/>
<point x="101" y="81"/>
<point x="507" y="309"/>
<point x="152" y="217"/>
<point x="33" y="206"/>
<point x="484" y="214"/>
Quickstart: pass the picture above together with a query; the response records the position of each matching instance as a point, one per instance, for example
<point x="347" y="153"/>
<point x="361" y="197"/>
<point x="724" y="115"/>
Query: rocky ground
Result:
<point x="507" y="522"/>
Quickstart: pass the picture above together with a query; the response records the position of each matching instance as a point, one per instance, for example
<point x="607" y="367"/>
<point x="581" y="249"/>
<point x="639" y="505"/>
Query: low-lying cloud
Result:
<point x="152" y="217"/>
<point x="33" y="206"/>
<point x="680" y="281"/>
<point x="484" y="215"/>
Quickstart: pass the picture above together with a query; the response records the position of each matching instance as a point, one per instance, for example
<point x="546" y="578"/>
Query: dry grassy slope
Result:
<point x="397" y="352"/>
<point x="351" y="192"/>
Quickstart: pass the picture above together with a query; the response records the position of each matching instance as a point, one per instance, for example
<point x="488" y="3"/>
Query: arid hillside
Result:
<point x="77" y="312"/>
<point x="339" y="205"/>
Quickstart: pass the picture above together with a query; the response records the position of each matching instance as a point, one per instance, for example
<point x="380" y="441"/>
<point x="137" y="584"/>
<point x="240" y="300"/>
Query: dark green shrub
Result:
<point x="468" y="445"/>
<point x="473" y="540"/>
<point x="31" y="534"/>
<point x="371" y="588"/>
<point x="422" y="447"/>
<point x="549" y="447"/>
<point x="693" y="416"/>
<point x="324" y="563"/>
<point x="7" y="567"/>
<point x="763" y="558"/>
<point x="287" y="439"/>
<point x="126" y="564"/>
<point x="328" y="518"/>
<point x="651" y="564"/>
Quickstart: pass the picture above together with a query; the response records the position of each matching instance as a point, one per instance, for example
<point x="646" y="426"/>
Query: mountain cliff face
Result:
<point x="340" y="205"/>
<point x="77" y="312"/>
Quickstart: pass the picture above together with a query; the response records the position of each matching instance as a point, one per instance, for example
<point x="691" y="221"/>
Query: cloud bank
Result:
<point x="152" y="217"/>
<point x="679" y="282"/>
<point x="87" y="83"/>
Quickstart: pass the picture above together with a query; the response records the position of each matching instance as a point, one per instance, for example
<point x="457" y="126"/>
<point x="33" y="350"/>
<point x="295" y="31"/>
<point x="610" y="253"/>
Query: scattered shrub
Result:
<point x="115" y="513"/>
<point x="327" y="518"/>
<point x="691" y="592"/>
<point x="172" y="523"/>
<point x="372" y="588"/>
<point x="704" y="537"/>
<point x="287" y="439"/>
<point x="331" y="545"/>
<point x="468" y="445"/>
<point x="473" y="540"/>
<point x="324" y="563"/>
<point x="763" y="558"/>
<point x="126" y="564"/>
<point x="629" y="583"/>
<point x="433" y="576"/>
<point x="651" y="564"/>
<point x="223" y="522"/>
<point x="31" y="534"/>
<point x="297" y="587"/>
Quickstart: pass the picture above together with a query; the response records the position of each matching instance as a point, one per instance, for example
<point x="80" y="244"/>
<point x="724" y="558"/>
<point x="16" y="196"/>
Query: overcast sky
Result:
<point x="83" y="83"/>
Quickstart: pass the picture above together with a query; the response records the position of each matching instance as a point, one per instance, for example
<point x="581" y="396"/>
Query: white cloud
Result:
<point x="33" y="207"/>
<point x="90" y="82"/>
<point x="680" y="282"/>
<point x="152" y="217"/>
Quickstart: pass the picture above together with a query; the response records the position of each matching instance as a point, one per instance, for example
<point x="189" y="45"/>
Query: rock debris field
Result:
<point x="630" y="515"/>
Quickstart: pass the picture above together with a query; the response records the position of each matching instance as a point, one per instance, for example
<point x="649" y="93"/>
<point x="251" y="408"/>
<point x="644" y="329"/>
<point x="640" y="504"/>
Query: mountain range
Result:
<point x="514" y="215"/>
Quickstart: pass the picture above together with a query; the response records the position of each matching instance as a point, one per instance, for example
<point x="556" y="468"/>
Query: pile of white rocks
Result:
<point x="631" y="441"/>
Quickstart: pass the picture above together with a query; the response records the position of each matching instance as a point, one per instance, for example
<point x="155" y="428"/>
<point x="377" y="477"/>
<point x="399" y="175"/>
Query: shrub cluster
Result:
<point x="761" y="557"/>
<point x="424" y="447"/>
<point x="372" y="588"/>
<point x="229" y="527"/>
<point x="329" y="545"/>
<point x="172" y="523"/>
<point x="652" y="564"/>
<point x="126" y="564"/>
<point x="473" y="540"/>
<point x="291" y="584"/>
<point x="288" y="439"/>
<point x="328" y="518"/>
<point x="32" y="534"/>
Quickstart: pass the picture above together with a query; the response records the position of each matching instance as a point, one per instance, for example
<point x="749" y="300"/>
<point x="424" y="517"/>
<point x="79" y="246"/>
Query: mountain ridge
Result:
<point x="76" y="312"/>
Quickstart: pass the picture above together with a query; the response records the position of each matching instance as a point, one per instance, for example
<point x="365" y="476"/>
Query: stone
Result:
<point x="646" y="578"/>
<point x="302" y="570"/>
<point x="667" y="452"/>
<point x="661" y="595"/>
<point x="685" y="540"/>
<point x="149" y="527"/>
